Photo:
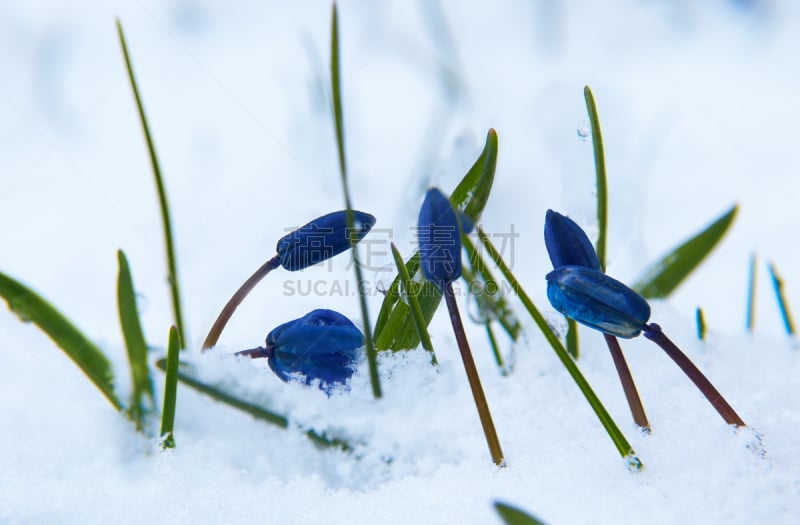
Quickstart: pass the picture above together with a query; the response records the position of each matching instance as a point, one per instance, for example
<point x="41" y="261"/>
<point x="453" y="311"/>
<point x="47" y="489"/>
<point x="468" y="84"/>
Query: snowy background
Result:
<point x="699" y="103"/>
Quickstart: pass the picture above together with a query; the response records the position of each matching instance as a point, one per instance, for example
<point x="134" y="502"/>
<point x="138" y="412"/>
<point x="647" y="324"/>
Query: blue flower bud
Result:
<point x="567" y="244"/>
<point x="322" y="345"/>
<point x="597" y="300"/>
<point x="322" y="238"/>
<point x="439" y="236"/>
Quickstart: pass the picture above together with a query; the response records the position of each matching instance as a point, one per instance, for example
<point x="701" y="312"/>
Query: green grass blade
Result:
<point x="172" y="269"/>
<point x="30" y="307"/>
<point x="663" y="277"/>
<point x="219" y="394"/>
<point x="783" y="305"/>
<point x="416" y="312"/>
<point x="514" y="516"/>
<point x="622" y="444"/>
<point x="394" y="329"/>
<point x="572" y="338"/>
<point x="600" y="170"/>
<point x="701" y="324"/>
<point x="142" y="399"/>
<point x="750" y="323"/>
<point x="170" y="390"/>
<point x="372" y="354"/>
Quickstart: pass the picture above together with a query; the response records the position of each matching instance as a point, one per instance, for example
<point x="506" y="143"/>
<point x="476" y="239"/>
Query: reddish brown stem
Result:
<point x="236" y="300"/>
<point x="654" y="333"/>
<point x="255" y="353"/>
<point x="472" y="376"/>
<point x="628" y="386"/>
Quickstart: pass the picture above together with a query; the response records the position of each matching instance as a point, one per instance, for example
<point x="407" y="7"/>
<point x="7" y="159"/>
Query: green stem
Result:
<point x="236" y="300"/>
<point x="600" y="170"/>
<point x="624" y="448"/>
<point x="472" y="377"/>
<point x="372" y="354"/>
<point x="572" y="338"/>
<point x="172" y="271"/>
<point x="170" y="390"/>
<point x="413" y="304"/>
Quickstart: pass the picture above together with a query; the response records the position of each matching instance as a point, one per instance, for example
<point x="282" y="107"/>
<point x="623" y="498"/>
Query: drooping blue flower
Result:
<point x="322" y="238"/>
<point x="439" y="237"/>
<point x="596" y="300"/>
<point x="322" y="345"/>
<point x="567" y="243"/>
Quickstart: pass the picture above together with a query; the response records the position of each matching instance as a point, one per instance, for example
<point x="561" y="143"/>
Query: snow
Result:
<point x="699" y="107"/>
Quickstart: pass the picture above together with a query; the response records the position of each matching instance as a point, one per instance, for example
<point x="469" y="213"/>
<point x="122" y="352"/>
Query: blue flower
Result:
<point x="439" y="236"/>
<point x="322" y="345"/>
<point x="567" y="244"/>
<point x="322" y="238"/>
<point x="597" y="300"/>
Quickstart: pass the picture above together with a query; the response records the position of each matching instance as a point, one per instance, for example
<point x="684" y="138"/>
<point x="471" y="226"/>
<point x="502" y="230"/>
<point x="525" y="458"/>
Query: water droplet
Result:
<point x="584" y="131"/>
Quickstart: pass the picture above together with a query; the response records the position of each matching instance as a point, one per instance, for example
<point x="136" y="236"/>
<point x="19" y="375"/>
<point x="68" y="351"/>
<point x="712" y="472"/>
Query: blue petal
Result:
<point x="597" y="300"/>
<point x="439" y="236"/>
<point x="567" y="244"/>
<point x="323" y="345"/>
<point x="322" y="238"/>
<point x="318" y="317"/>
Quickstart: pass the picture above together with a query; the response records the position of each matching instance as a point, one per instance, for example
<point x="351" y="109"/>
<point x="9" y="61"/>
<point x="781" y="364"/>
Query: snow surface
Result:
<point x="699" y="104"/>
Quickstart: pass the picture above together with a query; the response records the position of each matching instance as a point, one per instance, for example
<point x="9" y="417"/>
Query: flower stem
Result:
<point x="625" y="377"/>
<point x="654" y="333"/>
<point x="236" y="300"/>
<point x="623" y="446"/>
<point x="472" y="376"/>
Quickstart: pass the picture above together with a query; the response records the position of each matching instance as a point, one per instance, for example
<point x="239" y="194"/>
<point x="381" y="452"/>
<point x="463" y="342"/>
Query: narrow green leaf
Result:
<point x="411" y="291"/>
<point x="30" y="307"/>
<point x="170" y="390"/>
<point x="572" y="338"/>
<point x="663" y="277"/>
<point x="750" y="323"/>
<point x="172" y="267"/>
<point x="218" y="393"/>
<point x="372" y="355"/>
<point x="394" y="329"/>
<point x="142" y="399"/>
<point x="783" y="305"/>
<point x="472" y="193"/>
<point x="622" y="444"/>
<point x="600" y="170"/>
<point x="701" y="324"/>
<point x="514" y="516"/>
